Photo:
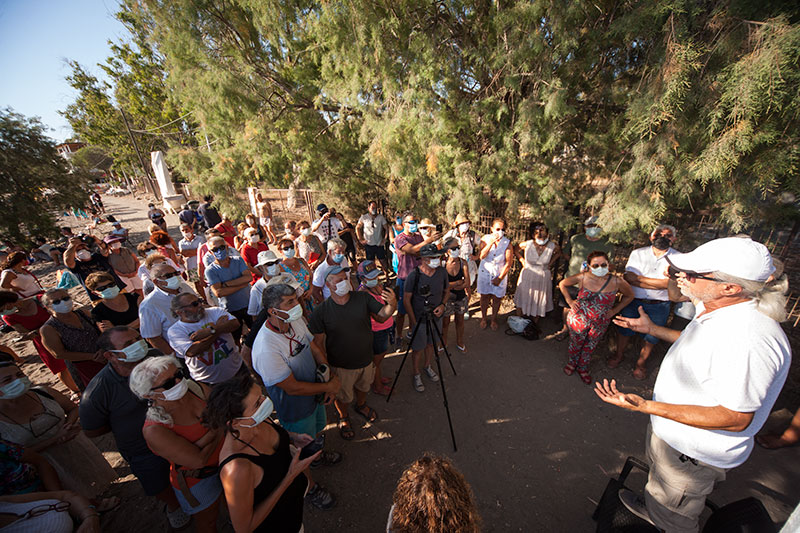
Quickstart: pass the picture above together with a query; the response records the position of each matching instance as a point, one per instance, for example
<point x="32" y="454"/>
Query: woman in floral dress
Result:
<point x="591" y="312"/>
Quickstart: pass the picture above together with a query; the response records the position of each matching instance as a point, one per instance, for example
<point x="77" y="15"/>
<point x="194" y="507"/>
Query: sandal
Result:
<point x="367" y="412"/>
<point x="345" y="429"/>
<point x="461" y="348"/>
<point x="585" y="377"/>
<point x="569" y="369"/>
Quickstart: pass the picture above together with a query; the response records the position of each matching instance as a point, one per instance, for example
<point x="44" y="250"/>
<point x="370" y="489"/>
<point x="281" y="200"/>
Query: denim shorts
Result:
<point x="207" y="491"/>
<point x="658" y="313"/>
<point x="380" y="341"/>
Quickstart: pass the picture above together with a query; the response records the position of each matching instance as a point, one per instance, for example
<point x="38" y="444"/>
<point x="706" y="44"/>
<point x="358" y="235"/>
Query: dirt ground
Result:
<point x="536" y="446"/>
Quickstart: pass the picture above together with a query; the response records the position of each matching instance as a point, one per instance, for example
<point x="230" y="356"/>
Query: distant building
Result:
<point x="68" y="149"/>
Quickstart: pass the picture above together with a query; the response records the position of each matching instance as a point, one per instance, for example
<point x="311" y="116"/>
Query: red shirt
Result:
<point x="228" y="232"/>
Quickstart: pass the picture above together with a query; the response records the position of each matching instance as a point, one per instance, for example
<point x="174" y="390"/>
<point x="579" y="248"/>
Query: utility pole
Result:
<point x="150" y="179"/>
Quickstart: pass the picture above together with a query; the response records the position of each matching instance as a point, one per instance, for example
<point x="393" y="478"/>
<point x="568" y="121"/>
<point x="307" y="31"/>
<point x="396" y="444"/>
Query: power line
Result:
<point x="164" y="125"/>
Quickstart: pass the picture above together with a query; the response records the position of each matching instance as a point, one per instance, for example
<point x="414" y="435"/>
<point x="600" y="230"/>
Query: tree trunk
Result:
<point x="291" y="197"/>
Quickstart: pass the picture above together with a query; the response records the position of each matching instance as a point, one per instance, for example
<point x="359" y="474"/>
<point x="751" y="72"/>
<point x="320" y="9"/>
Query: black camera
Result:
<point x="425" y="291"/>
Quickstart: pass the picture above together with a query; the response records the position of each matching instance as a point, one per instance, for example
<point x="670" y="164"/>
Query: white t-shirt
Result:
<point x="328" y="228"/>
<point x="644" y="262"/>
<point x="155" y="315"/>
<point x="320" y="274"/>
<point x="220" y="362"/>
<point x="254" y="305"/>
<point x="373" y="229"/>
<point x="274" y="352"/>
<point x="735" y="357"/>
<point x="194" y="244"/>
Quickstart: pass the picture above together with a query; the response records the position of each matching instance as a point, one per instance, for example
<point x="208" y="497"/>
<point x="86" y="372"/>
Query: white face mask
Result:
<point x="272" y="270"/>
<point x="541" y="242"/>
<point x="83" y="255"/>
<point x="133" y="353"/>
<point x="177" y="392"/>
<point x="287" y="231"/>
<point x="305" y="232"/>
<point x="288" y="254"/>
<point x="173" y="283"/>
<point x="435" y="263"/>
<point x="425" y="231"/>
<point x="455" y="253"/>
<point x="187" y="235"/>
<point x="261" y="414"/>
<point x="498" y="232"/>
<point x="64" y="306"/>
<point x="295" y="313"/>
<point x="342" y="288"/>
<point x="599" y="271"/>
<point x="463" y="227"/>
<point x="253" y="239"/>
<point x="116" y="245"/>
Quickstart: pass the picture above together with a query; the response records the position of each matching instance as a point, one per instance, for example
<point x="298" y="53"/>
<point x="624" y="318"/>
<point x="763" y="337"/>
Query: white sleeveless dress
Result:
<point x="534" y="294"/>
<point x="490" y="268"/>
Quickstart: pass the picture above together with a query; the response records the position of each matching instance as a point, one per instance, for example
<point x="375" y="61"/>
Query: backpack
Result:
<point x="524" y="327"/>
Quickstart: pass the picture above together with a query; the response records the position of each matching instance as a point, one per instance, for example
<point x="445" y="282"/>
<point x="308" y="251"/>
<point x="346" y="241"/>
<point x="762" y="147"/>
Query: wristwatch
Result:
<point x="212" y="329"/>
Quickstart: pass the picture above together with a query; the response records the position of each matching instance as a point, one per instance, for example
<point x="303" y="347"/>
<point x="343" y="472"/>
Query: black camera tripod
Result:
<point x="436" y="336"/>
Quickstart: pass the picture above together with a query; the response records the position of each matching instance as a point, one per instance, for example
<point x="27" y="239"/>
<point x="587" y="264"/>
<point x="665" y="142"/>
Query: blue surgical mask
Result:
<point x="64" y="306"/>
<point x="338" y="258"/>
<point x="413" y="228"/>
<point x="221" y="254"/>
<point x="261" y="414"/>
<point x="370" y="282"/>
<point x="173" y="283"/>
<point x="288" y="254"/>
<point x="399" y="220"/>
<point x="133" y="353"/>
<point x="109" y="293"/>
<point x="592" y="232"/>
<point x="273" y="270"/>
<point x="16" y="388"/>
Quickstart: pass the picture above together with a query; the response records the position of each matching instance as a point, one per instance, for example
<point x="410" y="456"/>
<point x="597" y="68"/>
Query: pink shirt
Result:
<point x="406" y="262"/>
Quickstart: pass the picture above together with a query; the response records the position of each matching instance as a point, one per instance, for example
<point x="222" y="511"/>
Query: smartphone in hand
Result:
<point x="312" y="447"/>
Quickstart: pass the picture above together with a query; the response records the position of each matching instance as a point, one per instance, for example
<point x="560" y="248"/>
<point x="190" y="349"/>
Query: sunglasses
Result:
<point x="600" y="265"/>
<point x="64" y="299"/>
<point x="170" y="382"/>
<point x="218" y="249"/>
<point x="411" y="221"/>
<point x="287" y="248"/>
<point x="170" y="275"/>
<point x="104" y="287"/>
<point x="194" y="304"/>
<point x="672" y="272"/>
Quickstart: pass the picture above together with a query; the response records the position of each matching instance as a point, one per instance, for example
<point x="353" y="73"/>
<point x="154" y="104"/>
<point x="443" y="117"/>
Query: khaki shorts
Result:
<point x="359" y="379"/>
<point x="676" y="489"/>
<point x="132" y="284"/>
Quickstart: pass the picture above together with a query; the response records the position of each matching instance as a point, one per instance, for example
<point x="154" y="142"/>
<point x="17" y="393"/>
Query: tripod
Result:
<point x="436" y="336"/>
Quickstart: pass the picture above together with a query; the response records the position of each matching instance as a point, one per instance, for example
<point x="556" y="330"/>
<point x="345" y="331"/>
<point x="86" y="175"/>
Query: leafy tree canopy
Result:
<point x="35" y="181"/>
<point x="636" y="110"/>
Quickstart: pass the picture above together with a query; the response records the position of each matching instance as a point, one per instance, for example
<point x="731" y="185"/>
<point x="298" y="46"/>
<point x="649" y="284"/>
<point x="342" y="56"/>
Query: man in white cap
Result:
<point x="718" y="382"/>
<point x="575" y="252"/>
<point x="268" y="266"/>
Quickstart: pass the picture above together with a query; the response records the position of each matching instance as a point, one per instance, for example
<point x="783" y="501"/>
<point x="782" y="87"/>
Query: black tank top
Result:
<point x="459" y="294"/>
<point x="287" y="515"/>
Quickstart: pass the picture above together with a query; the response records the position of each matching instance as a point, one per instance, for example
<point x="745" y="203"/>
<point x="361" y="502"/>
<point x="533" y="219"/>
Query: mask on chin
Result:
<point x="661" y="243"/>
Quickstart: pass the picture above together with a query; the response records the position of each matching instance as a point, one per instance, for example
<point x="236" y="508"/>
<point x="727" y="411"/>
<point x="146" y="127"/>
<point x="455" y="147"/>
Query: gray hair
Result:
<point x="143" y="379"/>
<point x="176" y="302"/>
<point x="665" y="226"/>
<point x="770" y="297"/>
<point x="274" y="294"/>
<point x="158" y="270"/>
<point x="49" y="295"/>
<point x="336" y="242"/>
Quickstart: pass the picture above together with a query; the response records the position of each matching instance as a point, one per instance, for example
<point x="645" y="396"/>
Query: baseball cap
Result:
<point x="285" y="279"/>
<point x="368" y="270"/>
<point x="108" y="239"/>
<point x="322" y="209"/>
<point x="266" y="257"/>
<point x="336" y="270"/>
<point x="736" y="256"/>
<point x="591" y="220"/>
<point x="430" y="250"/>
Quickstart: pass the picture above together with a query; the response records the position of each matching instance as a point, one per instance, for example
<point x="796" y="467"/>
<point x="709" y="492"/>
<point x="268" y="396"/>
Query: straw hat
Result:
<point x="460" y="219"/>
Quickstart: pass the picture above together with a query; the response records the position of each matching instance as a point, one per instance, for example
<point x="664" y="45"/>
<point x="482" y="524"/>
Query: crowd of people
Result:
<point x="188" y="348"/>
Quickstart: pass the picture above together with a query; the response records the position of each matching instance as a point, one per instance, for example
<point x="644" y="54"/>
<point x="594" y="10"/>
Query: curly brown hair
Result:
<point x="433" y="496"/>
<point x="160" y="238"/>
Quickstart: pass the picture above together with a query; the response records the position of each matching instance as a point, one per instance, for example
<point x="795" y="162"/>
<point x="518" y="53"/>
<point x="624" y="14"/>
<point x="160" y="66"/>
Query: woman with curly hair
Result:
<point x="15" y="277"/>
<point x="166" y="247"/>
<point x="433" y="496"/>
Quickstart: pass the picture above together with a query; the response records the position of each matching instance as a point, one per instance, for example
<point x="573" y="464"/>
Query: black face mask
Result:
<point x="661" y="243"/>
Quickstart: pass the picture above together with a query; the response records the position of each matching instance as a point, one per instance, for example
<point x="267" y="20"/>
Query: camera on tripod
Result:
<point x="425" y="292"/>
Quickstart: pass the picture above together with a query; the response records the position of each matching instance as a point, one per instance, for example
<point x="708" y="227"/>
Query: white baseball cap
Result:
<point x="737" y="256"/>
<point x="266" y="257"/>
<point x="286" y="279"/>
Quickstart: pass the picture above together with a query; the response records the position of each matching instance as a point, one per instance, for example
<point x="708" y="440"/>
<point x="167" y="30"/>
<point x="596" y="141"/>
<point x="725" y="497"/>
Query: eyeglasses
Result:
<point x="673" y="272"/>
<point x="170" y="275"/>
<point x="39" y="510"/>
<point x="194" y="304"/>
<point x="64" y="299"/>
<point x="170" y="382"/>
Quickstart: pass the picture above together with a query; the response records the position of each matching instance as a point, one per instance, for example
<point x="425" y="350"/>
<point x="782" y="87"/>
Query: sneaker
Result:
<point x="177" y="519"/>
<point x="408" y="335"/>
<point x="634" y="504"/>
<point x="320" y="498"/>
<point x="418" y="386"/>
<point x="326" y="458"/>
<point x="466" y="315"/>
<point x="432" y="374"/>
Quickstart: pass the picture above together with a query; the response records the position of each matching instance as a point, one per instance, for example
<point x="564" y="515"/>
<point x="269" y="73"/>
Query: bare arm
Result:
<point x="414" y="249"/>
<point x="204" y="339"/>
<point x="293" y="387"/>
<point x="175" y="449"/>
<point x="229" y="287"/>
<point x="509" y="261"/>
<point x="643" y="282"/>
<point x="643" y="324"/>
<point x="627" y="296"/>
<point x="360" y="232"/>
<point x="160" y="344"/>
<point x="389" y="308"/>
<point x="52" y="341"/>
<point x="712" y="418"/>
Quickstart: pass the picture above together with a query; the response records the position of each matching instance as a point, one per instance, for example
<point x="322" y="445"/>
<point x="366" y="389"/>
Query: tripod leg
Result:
<point x="403" y="362"/>
<point x="436" y="333"/>
<point x="431" y="323"/>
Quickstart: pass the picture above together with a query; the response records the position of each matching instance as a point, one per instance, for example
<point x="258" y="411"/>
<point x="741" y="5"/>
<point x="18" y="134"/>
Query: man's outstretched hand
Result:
<point x="608" y="393"/>
<point x="639" y="325"/>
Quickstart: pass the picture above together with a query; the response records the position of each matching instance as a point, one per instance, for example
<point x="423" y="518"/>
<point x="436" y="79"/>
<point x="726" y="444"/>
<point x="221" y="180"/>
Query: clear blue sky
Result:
<point x="36" y="37"/>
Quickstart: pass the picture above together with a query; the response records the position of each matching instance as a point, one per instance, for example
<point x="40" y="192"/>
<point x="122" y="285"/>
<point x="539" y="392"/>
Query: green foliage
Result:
<point x="638" y="111"/>
<point x="34" y="180"/>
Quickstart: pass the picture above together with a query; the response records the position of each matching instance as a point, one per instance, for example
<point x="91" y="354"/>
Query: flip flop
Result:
<point x="367" y="412"/>
<point x="461" y="348"/>
<point x="346" y="429"/>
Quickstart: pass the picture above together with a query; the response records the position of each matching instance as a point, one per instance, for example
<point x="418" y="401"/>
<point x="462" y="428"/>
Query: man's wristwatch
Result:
<point x="212" y="329"/>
